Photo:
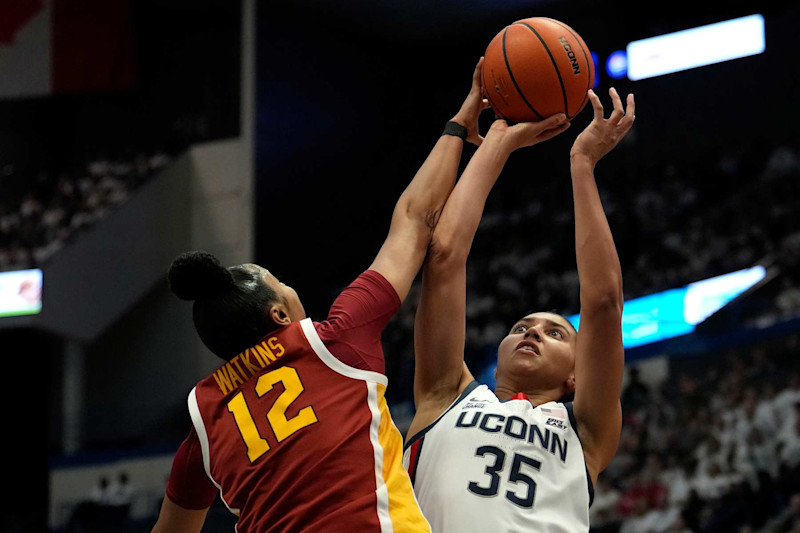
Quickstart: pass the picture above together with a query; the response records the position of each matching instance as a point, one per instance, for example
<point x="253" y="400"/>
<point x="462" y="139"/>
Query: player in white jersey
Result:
<point x="518" y="459"/>
<point x="485" y="463"/>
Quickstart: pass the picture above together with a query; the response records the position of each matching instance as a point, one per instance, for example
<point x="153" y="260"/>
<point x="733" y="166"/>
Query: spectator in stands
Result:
<point x="788" y="520"/>
<point x="745" y="417"/>
<point x="755" y="459"/>
<point x="761" y="368"/>
<point x="636" y="393"/>
<point x="101" y="492"/>
<point x="635" y="513"/>
<point x="658" y="518"/>
<point x="789" y="449"/>
<point x="604" y="512"/>
<point x="634" y="499"/>
<point x="675" y="477"/>
<point x="711" y="452"/>
<point x="767" y="417"/>
<point x="120" y="498"/>
<point x="785" y="402"/>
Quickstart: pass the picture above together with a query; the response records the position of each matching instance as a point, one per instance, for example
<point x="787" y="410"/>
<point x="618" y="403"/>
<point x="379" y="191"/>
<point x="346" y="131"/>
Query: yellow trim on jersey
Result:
<point x="404" y="510"/>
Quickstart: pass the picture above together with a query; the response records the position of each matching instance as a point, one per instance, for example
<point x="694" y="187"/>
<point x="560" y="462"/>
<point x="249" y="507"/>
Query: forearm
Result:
<point x="599" y="272"/>
<point x="453" y="236"/>
<point x="422" y="201"/>
<point x="600" y="356"/>
<point x="415" y="215"/>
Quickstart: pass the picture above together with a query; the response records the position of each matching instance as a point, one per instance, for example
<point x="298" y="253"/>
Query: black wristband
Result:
<point x="456" y="130"/>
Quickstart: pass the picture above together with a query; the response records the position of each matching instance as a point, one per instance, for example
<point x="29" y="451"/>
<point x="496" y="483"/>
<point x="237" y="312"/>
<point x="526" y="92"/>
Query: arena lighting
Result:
<point x="696" y="47"/>
<point x="617" y="65"/>
<point x="20" y="292"/>
<point x="674" y="312"/>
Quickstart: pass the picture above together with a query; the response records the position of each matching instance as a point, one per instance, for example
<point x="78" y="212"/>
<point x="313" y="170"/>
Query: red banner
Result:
<point x="66" y="46"/>
<point x="93" y="45"/>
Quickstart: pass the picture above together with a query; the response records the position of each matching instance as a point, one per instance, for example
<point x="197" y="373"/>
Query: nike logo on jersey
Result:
<point x="482" y="400"/>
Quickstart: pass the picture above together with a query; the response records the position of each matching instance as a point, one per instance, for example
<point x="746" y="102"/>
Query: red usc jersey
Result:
<point x="295" y="439"/>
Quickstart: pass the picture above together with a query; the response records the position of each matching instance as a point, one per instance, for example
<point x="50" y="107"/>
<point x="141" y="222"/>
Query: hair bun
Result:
<point x="196" y="275"/>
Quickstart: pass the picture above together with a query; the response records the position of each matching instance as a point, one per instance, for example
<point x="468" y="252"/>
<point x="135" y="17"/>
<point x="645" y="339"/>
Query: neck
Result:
<point x="536" y="397"/>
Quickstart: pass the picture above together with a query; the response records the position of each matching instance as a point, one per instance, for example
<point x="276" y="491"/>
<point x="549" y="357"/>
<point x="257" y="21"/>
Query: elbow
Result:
<point x="415" y="225"/>
<point x="444" y="254"/>
<point x="609" y="301"/>
<point x="423" y="213"/>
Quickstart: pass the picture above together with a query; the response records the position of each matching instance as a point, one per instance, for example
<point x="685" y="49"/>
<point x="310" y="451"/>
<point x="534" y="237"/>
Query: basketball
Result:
<point x="537" y="67"/>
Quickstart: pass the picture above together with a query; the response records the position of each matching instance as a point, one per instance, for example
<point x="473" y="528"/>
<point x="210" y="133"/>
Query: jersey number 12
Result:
<point x="281" y="426"/>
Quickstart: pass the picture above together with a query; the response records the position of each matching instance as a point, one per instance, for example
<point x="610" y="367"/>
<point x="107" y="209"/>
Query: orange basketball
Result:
<point x="537" y="67"/>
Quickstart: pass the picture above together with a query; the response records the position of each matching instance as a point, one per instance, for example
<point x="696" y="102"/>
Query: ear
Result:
<point x="570" y="383"/>
<point x="279" y="314"/>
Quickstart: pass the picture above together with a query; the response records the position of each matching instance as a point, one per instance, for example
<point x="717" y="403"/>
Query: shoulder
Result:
<point x="427" y="417"/>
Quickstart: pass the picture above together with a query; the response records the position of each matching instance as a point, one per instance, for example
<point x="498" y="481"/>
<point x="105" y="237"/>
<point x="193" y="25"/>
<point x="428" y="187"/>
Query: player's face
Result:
<point x="286" y="294"/>
<point x="538" y="353"/>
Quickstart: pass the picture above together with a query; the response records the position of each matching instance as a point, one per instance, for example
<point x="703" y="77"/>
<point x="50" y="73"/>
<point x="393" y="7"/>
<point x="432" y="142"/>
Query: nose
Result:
<point x="533" y="332"/>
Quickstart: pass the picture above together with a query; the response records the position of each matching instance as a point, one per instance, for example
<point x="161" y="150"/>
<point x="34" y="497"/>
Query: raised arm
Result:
<point x="599" y="355"/>
<point x="439" y="331"/>
<point x="419" y="207"/>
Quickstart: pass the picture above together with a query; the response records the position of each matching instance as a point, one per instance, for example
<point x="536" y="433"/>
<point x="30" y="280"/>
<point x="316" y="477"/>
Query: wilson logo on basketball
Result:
<point x="576" y="69"/>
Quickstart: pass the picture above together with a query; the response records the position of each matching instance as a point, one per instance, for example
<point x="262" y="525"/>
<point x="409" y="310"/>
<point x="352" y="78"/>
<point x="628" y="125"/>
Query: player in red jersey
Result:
<point x="293" y="431"/>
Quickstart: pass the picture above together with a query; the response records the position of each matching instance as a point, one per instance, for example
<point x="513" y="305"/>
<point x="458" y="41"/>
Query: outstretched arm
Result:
<point x="439" y="331"/>
<point x="417" y="211"/>
<point x="599" y="355"/>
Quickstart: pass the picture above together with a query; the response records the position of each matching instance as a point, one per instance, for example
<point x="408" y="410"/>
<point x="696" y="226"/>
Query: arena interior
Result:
<point x="282" y="133"/>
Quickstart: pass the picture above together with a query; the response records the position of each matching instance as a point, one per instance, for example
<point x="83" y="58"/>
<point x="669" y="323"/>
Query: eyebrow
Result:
<point x="548" y="322"/>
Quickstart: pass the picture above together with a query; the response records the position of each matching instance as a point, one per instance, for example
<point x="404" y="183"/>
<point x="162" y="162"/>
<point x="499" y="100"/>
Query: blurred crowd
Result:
<point x="713" y="448"/>
<point x="40" y="221"/>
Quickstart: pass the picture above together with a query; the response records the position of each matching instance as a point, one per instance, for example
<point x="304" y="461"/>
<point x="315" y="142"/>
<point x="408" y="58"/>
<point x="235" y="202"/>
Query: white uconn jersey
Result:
<point x="491" y="466"/>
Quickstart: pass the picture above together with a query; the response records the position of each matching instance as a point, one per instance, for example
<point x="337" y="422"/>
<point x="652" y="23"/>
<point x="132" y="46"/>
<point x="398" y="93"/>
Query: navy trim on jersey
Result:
<point x="574" y="423"/>
<point x="468" y="389"/>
